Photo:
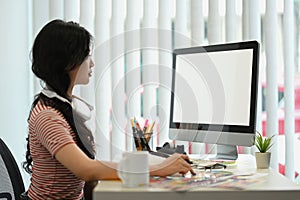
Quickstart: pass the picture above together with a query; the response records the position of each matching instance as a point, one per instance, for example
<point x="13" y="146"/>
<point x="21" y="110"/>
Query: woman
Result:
<point x="60" y="155"/>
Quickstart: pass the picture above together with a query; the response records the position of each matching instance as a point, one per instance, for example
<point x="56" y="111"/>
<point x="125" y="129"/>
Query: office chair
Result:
<point x="11" y="184"/>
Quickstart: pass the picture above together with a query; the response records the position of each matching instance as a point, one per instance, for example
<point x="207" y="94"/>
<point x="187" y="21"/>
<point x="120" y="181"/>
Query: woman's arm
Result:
<point x="87" y="169"/>
<point x="72" y="157"/>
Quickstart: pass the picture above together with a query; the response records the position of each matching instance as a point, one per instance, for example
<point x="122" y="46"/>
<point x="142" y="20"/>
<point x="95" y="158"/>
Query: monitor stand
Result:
<point x="226" y="152"/>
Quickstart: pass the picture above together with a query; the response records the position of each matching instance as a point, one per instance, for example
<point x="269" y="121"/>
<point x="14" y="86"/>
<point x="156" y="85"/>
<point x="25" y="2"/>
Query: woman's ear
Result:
<point x="73" y="74"/>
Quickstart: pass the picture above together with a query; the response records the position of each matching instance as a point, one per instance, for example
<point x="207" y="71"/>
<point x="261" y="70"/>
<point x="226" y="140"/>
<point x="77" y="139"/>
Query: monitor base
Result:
<point x="226" y="152"/>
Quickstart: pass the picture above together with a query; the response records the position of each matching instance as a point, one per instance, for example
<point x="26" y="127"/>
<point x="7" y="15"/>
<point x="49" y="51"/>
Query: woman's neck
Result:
<point x="70" y="91"/>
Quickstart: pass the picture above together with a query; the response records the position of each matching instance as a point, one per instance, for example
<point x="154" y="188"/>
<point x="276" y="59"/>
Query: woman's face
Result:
<point x="84" y="71"/>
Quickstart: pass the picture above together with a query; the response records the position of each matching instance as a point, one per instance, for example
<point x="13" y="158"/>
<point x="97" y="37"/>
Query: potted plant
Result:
<point x="263" y="144"/>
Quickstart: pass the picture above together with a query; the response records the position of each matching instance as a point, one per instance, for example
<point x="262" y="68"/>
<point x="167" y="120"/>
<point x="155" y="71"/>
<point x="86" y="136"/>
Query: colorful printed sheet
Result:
<point x="213" y="179"/>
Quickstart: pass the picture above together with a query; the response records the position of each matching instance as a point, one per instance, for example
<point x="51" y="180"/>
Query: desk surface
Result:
<point x="273" y="186"/>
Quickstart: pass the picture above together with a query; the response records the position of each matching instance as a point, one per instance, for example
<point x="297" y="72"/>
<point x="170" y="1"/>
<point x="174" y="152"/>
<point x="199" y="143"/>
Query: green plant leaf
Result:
<point x="263" y="144"/>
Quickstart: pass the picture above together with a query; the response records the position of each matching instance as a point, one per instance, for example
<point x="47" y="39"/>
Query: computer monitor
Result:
<point x="214" y="95"/>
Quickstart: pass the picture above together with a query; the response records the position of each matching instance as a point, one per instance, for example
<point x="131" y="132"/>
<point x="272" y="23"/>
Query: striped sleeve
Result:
<point x="52" y="130"/>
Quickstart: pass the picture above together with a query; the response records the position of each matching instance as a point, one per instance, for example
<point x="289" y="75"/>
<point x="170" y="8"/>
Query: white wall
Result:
<point x="14" y="72"/>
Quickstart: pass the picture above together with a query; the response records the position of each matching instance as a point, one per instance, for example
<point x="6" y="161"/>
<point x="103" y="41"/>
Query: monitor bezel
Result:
<point x="251" y="128"/>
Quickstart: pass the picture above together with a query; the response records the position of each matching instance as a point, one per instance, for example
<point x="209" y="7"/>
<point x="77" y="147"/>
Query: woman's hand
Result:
<point x="176" y="163"/>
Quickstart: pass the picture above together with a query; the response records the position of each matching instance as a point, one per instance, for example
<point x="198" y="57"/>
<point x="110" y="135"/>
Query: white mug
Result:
<point x="133" y="169"/>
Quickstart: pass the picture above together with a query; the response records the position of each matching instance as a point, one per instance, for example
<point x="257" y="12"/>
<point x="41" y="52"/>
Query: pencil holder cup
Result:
<point x="141" y="135"/>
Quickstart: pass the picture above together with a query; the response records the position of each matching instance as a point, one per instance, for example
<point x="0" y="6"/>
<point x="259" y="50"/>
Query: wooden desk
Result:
<point x="274" y="187"/>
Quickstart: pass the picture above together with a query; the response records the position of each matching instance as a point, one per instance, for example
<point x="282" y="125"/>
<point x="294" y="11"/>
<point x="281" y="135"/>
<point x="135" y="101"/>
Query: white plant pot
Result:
<point x="262" y="160"/>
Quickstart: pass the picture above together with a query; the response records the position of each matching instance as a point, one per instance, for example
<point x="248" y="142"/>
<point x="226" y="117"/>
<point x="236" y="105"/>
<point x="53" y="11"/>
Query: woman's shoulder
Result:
<point x="43" y="111"/>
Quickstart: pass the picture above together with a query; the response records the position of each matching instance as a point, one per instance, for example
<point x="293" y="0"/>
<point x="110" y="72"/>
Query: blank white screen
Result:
<point x="216" y="80"/>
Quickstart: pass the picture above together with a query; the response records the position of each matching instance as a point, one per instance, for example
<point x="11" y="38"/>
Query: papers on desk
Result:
<point x="213" y="179"/>
<point x="239" y="181"/>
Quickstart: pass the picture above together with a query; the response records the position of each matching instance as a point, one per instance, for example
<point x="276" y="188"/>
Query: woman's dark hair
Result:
<point x="58" y="48"/>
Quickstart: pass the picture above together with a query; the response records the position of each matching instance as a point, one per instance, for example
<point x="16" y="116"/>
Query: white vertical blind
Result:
<point x="182" y="38"/>
<point x="71" y="10"/>
<point x="56" y="9"/>
<point x="87" y="13"/>
<point x="40" y="16"/>
<point x="118" y="134"/>
<point x="165" y="69"/>
<point x="272" y="66"/>
<point x="245" y="30"/>
<point x="72" y="13"/>
<point x="254" y="34"/>
<point x="289" y="67"/>
<point x="86" y="19"/>
<point x="214" y="22"/>
<point x="149" y="42"/>
<point x="253" y="22"/>
<point x="245" y="34"/>
<point x="197" y="22"/>
<point x="181" y="34"/>
<point x="214" y="36"/>
<point x="231" y="21"/>
<point x="102" y="80"/>
<point x="197" y="39"/>
<point x="133" y="72"/>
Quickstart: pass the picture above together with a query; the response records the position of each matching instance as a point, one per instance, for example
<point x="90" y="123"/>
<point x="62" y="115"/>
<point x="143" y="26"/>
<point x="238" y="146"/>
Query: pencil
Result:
<point x="135" y="135"/>
<point x="152" y="126"/>
<point x="146" y="125"/>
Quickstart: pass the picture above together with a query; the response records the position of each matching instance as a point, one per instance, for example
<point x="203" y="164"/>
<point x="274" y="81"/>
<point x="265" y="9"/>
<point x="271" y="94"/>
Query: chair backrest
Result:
<point x="11" y="182"/>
